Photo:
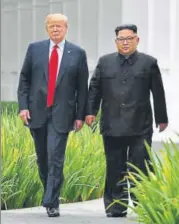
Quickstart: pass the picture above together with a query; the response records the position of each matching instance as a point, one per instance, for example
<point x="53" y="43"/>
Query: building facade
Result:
<point x="91" y="25"/>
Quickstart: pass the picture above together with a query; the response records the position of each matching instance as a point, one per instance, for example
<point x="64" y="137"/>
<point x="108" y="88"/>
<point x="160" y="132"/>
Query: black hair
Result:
<point x="126" y="27"/>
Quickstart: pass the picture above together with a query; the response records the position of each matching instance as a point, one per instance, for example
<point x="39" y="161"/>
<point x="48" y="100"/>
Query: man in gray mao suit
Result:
<point x="52" y="95"/>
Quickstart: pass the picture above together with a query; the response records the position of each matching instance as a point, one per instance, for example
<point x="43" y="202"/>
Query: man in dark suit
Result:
<point x="122" y="83"/>
<point x="52" y="95"/>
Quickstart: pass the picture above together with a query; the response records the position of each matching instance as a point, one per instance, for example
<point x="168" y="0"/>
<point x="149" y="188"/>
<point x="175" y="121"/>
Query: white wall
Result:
<point x="91" y="25"/>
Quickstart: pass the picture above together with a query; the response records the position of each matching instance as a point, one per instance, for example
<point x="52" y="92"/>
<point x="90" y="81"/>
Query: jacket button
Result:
<point x="125" y="71"/>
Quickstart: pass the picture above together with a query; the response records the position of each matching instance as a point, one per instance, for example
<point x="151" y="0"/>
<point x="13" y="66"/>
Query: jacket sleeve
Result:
<point x="24" y="81"/>
<point x="160" y="110"/>
<point x="82" y="87"/>
<point x="94" y="94"/>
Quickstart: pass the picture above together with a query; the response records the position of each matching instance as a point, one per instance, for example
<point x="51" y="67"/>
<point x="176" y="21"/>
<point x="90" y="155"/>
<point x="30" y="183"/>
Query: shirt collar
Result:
<point x="60" y="45"/>
<point x="130" y="59"/>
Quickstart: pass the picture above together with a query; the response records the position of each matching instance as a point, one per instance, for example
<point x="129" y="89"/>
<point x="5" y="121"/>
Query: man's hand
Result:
<point x="24" y="116"/>
<point x="162" y="126"/>
<point x="78" y="125"/>
<point x="90" y="119"/>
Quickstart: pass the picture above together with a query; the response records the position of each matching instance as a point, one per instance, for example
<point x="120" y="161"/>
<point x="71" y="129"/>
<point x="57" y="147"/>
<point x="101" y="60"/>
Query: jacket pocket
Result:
<point x="143" y="74"/>
<point x="72" y="103"/>
<point x="30" y="99"/>
<point x="108" y="75"/>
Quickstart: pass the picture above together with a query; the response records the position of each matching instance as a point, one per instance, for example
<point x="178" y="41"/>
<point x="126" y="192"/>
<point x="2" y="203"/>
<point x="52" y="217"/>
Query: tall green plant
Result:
<point x="9" y="108"/>
<point x="158" y="192"/>
<point x="20" y="184"/>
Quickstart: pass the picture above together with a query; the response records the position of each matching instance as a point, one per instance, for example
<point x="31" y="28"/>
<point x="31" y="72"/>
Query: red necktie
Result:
<point x="52" y="76"/>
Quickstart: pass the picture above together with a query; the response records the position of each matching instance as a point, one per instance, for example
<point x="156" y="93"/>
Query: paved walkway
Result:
<point x="90" y="212"/>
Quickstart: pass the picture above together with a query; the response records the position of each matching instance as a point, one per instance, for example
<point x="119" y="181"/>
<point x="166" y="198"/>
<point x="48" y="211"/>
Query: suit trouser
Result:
<point x="50" y="149"/>
<point x="118" y="151"/>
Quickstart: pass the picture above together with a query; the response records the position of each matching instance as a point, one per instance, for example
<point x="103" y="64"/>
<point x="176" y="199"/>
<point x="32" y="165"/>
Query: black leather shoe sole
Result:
<point x="53" y="215"/>
<point x="116" y="215"/>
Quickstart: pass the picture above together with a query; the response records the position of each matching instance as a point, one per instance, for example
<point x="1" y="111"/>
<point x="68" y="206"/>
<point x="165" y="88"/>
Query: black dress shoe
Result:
<point x="53" y="212"/>
<point x="115" y="215"/>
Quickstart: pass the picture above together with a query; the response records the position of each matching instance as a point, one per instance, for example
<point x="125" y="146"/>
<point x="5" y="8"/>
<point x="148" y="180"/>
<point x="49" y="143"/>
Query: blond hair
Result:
<point x="57" y="16"/>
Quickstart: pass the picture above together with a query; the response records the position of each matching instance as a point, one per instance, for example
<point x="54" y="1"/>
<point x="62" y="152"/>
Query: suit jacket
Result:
<point x="71" y="86"/>
<point x="123" y="87"/>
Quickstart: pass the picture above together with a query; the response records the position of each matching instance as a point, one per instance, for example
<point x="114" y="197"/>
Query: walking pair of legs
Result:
<point x="50" y="149"/>
<point x="119" y="151"/>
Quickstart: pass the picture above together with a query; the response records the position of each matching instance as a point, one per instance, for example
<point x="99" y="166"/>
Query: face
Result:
<point x="126" y="42"/>
<point x="56" y="28"/>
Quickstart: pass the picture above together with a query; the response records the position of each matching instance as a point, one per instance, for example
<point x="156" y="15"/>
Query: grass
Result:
<point x="84" y="167"/>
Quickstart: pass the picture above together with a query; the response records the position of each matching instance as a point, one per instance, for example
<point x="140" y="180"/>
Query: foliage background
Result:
<point x="84" y="168"/>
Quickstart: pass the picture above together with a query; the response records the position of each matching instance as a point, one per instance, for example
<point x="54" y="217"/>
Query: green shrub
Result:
<point x="9" y="108"/>
<point x="20" y="185"/>
<point x="158" y="193"/>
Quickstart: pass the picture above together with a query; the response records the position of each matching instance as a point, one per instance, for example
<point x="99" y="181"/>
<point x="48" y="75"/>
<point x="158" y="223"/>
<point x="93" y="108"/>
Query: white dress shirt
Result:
<point x="60" y="50"/>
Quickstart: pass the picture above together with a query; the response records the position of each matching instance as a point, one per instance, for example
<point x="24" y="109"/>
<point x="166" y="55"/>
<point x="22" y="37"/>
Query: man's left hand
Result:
<point x="162" y="126"/>
<point x="78" y="125"/>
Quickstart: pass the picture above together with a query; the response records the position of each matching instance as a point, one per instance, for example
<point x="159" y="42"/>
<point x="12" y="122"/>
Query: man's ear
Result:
<point x="138" y="39"/>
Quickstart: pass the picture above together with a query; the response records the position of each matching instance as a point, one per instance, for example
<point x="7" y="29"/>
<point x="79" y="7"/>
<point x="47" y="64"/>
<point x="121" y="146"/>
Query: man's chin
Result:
<point x="126" y="51"/>
<point x="57" y="39"/>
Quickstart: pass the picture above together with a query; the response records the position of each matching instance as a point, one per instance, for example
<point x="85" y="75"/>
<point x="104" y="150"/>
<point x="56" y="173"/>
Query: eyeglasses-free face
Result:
<point x="56" y="28"/>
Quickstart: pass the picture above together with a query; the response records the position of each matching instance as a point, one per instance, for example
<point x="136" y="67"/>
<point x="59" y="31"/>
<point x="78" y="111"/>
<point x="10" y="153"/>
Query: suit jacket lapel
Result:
<point x="64" y="61"/>
<point x="45" y="55"/>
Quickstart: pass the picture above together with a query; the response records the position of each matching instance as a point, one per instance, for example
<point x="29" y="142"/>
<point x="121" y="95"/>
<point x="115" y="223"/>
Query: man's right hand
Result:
<point x="90" y="119"/>
<point x="25" y="116"/>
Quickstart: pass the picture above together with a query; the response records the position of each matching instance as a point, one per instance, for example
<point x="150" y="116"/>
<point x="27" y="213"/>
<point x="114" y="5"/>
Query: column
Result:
<point x="70" y="9"/>
<point x="173" y="105"/>
<point x="56" y="6"/>
<point x="9" y="50"/>
<point x="150" y="42"/>
<point x="109" y="17"/>
<point x="41" y="8"/>
<point x="132" y="13"/>
<point x="25" y="27"/>
<point x="88" y="30"/>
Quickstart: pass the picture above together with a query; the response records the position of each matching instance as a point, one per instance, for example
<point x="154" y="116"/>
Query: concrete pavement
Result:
<point x="90" y="212"/>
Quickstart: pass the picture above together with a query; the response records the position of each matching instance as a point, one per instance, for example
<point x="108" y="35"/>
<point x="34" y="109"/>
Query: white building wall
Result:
<point x="91" y="25"/>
